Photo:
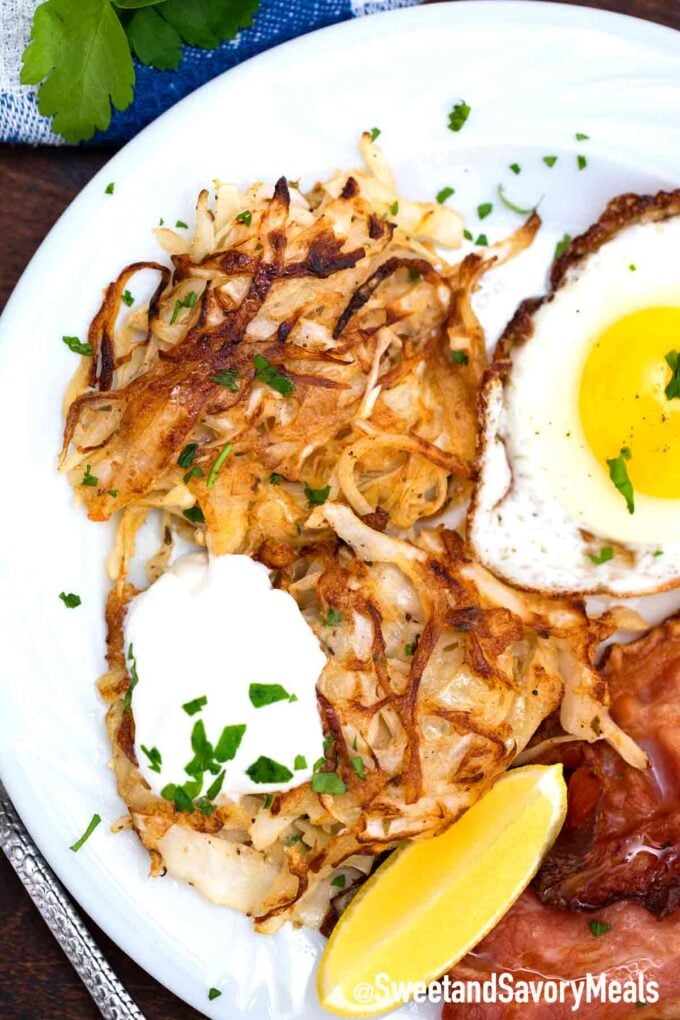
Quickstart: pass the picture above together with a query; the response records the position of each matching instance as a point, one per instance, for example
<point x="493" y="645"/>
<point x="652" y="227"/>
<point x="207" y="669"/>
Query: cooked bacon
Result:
<point x="621" y="839"/>
<point x="535" y="942"/>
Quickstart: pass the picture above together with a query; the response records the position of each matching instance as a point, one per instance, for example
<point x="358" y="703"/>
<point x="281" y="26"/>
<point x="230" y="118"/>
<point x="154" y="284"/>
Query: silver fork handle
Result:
<point x="56" y="909"/>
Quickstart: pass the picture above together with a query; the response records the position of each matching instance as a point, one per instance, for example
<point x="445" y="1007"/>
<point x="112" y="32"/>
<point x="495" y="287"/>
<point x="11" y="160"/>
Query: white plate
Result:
<point x="534" y="74"/>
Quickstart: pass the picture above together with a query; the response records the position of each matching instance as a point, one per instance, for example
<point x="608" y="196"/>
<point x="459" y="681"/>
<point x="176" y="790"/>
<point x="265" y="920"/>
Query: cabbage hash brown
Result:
<point x="302" y="387"/>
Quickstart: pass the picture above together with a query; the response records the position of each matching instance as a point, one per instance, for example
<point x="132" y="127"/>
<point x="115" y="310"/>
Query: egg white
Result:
<point x="541" y="486"/>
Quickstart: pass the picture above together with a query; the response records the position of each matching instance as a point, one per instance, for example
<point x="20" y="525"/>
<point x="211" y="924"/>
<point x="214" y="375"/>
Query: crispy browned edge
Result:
<point x="622" y="211"/>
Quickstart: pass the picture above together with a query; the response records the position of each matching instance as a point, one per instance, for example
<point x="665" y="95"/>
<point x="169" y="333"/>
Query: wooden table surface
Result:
<point x="35" y="979"/>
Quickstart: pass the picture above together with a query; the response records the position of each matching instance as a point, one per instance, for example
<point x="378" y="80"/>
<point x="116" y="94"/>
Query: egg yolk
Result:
<point x="623" y="401"/>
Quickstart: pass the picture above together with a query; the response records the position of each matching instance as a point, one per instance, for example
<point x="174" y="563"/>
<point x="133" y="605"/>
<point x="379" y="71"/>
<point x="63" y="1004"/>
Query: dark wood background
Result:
<point x="36" y="981"/>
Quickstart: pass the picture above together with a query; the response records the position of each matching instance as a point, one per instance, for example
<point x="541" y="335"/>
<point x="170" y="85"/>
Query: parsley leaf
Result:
<point x="599" y="928"/>
<point x="275" y="478"/>
<point x="444" y="194"/>
<point x="467" y="235"/>
<point x="316" y="497"/>
<point x="606" y="553"/>
<point x="358" y="766"/>
<point x="156" y="42"/>
<point x="194" y="514"/>
<point x="484" y="209"/>
<point x="618" y="472"/>
<point x="582" y="162"/>
<point x="186" y="457"/>
<point x="332" y="618"/>
<point x="459" y="357"/>
<point x="580" y="137"/>
<point x="550" y="160"/>
<point x="516" y="168"/>
<point x="375" y="132"/>
<point x="339" y="881"/>
<point x="227" y="379"/>
<point x="300" y="762"/>
<point x="328" y="782"/>
<point x="88" y="477"/>
<point x="245" y="217"/>
<point x="459" y="114"/>
<point x="70" y="601"/>
<point x="266" y="770"/>
<point x="186" y="302"/>
<point x="482" y="240"/>
<point x="214" y="993"/>
<point x="270" y="374"/>
<point x="672" y="390"/>
<point x="94" y="822"/>
<point x="192" y="707"/>
<point x="562" y="246"/>
<point x="229" y="742"/>
<point x="80" y="54"/>
<point x="134" y="678"/>
<point x="266" y="694"/>
<point x="110" y="188"/>
<point x="154" y="756"/>
<point x="127" y="298"/>
<point x="74" y="344"/>
<point x="207" y="23"/>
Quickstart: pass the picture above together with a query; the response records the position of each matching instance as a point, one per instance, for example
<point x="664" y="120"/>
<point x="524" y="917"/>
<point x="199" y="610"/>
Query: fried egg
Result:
<point x="579" y="459"/>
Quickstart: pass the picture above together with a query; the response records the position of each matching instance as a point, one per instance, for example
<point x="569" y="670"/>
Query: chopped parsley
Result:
<point x="186" y="457"/>
<point x="511" y="205"/>
<point x="459" y="357"/>
<point x="94" y="822"/>
<point x="375" y="133"/>
<point x="75" y="345"/>
<point x="580" y="137"/>
<point x="562" y="246"/>
<point x="192" y="707"/>
<point x="214" y="993"/>
<point x="599" y="928"/>
<point x="194" y="514"/>
<point x="658" y="552"/>
<point x="275" y="478"/>
<point x="332" y="618"/>
<point x="444" y="194"/>
<point x="516" y="168"/>
<point x="410" y="648"/>
<point x="266" y="770"/>
<point x="605" y="554"/>
<point x="394" y="209"/>
<point x="358" y="766"/>
<point x="154" y="756"/>
<point x="88" y="477"/>
<point x="672" y="390"/>
<point x="315" y="497"/>
<point x="110" y="187"/>
<point x="458" y="116"/>
<point x="267" y="694"/>
<point x="127" y="298"/>
<point x="328" y="782"/>
<point x="550" y="160"/>
<point x="219" y="461"/>
<point x="181" y="223"/>
<point x="71" y="600"/>
<point x="134" y="678"/>
<point x="618" y="472"/>
<point x="194" y="472"/>
<point x="484" y="210"/>
<point x="632" y="267"/>
<point x="245" y="217"/>
<point x="226" y="378"/>
<point x="113" y="493"/>
<point x="300" y="762"/>
<point x="269" y="374"/>
<point x="291" y="840"/>
<point x="229" y="742"/>
<point x="413" y="275"/>
<point x="215" y="786"/>
<point x="268" y="801"/>
<point x="582" y="162"/>
<point x="188" y="301"/>
<point x="482" y="240"/>
<point x="339" y="881"/>
<point x="467" y="235"/>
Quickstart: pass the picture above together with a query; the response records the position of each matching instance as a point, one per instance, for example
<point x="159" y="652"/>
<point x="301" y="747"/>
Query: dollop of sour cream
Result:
<point x="212" y="642"/>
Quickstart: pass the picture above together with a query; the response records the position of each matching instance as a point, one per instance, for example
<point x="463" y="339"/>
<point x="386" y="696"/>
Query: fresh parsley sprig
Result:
<point x="81" y="51"/>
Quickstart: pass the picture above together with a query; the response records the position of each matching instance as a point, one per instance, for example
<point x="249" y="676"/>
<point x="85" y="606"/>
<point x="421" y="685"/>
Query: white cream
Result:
<point x="211" y="627"/>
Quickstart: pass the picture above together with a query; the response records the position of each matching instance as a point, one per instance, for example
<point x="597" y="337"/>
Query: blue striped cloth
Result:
<point x="276" y="21"/>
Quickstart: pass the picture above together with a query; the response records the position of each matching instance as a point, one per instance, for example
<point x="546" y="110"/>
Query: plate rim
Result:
<point x="512" y="12"/>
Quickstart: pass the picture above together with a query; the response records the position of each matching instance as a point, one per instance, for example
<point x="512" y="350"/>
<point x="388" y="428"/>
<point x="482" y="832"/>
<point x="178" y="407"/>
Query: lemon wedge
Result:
<point x="432" y="901"/>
